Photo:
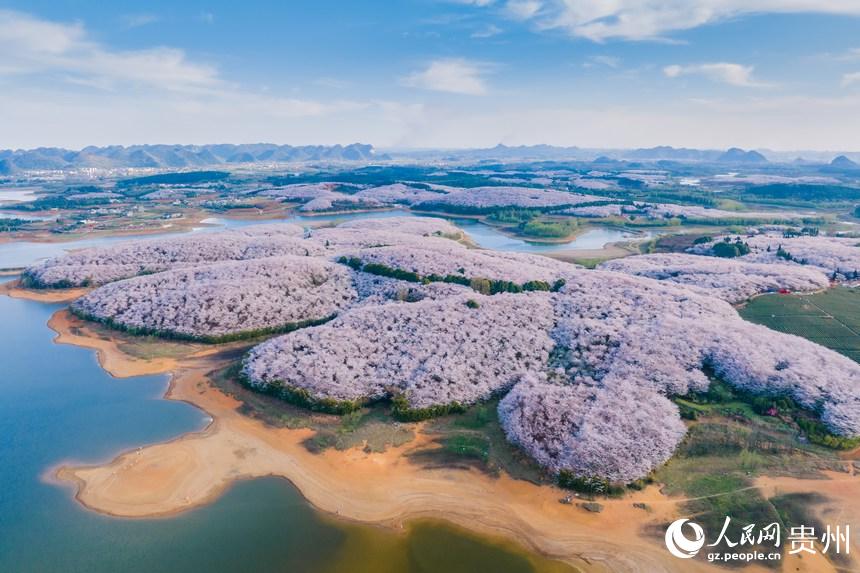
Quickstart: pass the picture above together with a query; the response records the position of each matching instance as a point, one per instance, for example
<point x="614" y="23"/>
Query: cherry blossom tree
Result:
<point x="224" y="299"/>
<point x="588" y="368"/>
<point x="732" y="280"/>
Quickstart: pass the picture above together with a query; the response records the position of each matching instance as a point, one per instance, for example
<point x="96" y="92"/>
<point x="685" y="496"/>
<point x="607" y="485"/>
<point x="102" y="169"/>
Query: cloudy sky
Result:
<point x="779" y="74"/>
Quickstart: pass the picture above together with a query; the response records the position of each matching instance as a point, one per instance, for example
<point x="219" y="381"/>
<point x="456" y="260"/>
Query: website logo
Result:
<point x="747" y="542"/>
<point x="679" y="544"/>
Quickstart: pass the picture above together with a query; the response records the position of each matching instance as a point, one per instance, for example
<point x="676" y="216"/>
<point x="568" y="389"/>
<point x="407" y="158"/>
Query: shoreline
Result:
<point x="384" y="489"/>
<point x="381" y="489"/>
<point x="43" y="237"/>
<point x="13" y="289"/>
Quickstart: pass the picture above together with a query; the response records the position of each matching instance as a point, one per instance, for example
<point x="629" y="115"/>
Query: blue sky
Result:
<point x="780" y="74"/>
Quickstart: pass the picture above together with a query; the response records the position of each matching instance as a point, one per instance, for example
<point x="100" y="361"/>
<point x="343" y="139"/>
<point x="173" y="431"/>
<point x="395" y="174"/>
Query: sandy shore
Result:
<point x="384" y="488"/>
<point x="13" y="289"/>
<point x="841" y="508"/>
<point x="380" y="488"/>
<point x="159" y="227"/>
<point x="609" y="251"/>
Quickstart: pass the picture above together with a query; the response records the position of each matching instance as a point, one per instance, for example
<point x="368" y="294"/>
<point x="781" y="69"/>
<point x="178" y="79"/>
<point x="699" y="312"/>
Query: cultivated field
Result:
<point x="830" y="318"/>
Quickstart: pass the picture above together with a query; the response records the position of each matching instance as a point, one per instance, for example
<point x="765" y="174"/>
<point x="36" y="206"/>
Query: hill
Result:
<point x="737" y="155"/>
<point x="177" y="156"/>
<point x="843" y="162"/>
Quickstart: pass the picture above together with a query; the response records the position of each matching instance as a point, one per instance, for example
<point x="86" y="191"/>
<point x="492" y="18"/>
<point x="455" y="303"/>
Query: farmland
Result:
<point x="830" y="318"/>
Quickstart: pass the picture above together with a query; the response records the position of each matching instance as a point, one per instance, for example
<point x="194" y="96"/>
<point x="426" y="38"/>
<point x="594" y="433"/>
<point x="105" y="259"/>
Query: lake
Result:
<point x="23" y="253"/>
<point x="17" y="195"/>
<point x="58" y="405"/>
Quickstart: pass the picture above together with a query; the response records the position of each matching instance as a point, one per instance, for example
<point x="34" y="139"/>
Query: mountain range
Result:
<point x="177" y="156"/>
<point x="200" y="156"/>
<point x="549" y="153"/>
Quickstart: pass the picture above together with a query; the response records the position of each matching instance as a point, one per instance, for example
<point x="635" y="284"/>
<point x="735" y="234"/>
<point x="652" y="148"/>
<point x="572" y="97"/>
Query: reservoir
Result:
<point x="23" y="253"/>
<point x="59" y="406"/>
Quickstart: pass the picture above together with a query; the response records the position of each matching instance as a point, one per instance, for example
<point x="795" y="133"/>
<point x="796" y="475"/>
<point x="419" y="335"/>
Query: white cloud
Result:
<point x="138" y="20"/>
<point x="480" y="3"/>
<point x="848" y="56"/>
<point x="602" y="60"/>
<point x="523" y="9"/>
<point x="487" y="32"/>
<point x="59" y="85"/>
<point x="850" y="79"/>
<point x="601" y="20"/>
<point x="333" y="83"/>
<point x="767" y="122"/>
<point x="31" y="46"/>
<point x="722" y="72"/>
<point x="162" y="94"/>
<point x="455" y="75"/>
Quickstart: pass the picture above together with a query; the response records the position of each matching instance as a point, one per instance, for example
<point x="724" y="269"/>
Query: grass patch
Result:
<point x="470" y="437"/>
<point x="830" y="318"/>
<point x="479" y="284"/>
<point x="255" y="334"/>
<point x="475" y="439"/>
<point x="142" y="347"/>
<point x="550" y="229"/>
<point x="371" y="428"/>
<point x="729" y="444"/>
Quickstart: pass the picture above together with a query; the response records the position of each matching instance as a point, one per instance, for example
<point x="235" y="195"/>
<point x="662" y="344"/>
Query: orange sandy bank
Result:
<point x="14" y="290"/>
<point x="382" y="488"/>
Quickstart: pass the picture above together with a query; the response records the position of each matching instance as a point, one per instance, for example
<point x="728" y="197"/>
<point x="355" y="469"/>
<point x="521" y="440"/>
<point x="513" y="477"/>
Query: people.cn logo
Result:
<point x="679" y="544"/>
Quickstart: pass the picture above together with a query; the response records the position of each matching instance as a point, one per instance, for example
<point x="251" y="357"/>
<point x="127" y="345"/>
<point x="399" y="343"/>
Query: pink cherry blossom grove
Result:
<point x="839" y="255"/>
<point x="733" y="280"/>
<point x="423" y="226"/>
<point x="227" y="298"/>
<point x="587" y="368"/>
<point x="618" y="342"/>
<point x="657" y="211"/>
<point x="619" y="434"/>
<point x="446" y="258"/>
<point x="435" y="352"/>
<point x="495" y="197"/>
<point x="397" y="194"/>
<point x="98" y="266"/>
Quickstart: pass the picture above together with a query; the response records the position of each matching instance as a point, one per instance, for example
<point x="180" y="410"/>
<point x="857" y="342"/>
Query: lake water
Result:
<point x="25" y="217"/>
<point x="20" y="254"/>
<point x="59" y="405"/>
<point x="20" y="195"/>
<point x="489" y="237"/>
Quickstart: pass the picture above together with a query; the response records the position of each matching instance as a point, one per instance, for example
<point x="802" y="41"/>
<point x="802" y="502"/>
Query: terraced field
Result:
<point x="830" y="318"/>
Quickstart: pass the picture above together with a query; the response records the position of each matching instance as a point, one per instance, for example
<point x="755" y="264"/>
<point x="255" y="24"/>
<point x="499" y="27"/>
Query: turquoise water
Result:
<point x="489" y="237"/>
<point x="58" y="406"/>
<point x="21" y="254"/>
<point x="485" y="236"/>
<point x="11" y="195"/>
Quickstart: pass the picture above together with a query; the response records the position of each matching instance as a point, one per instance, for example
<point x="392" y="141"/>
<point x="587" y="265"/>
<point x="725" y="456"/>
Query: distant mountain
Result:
<point x="500" y="152"/>
<point x="665" y="152"/>
<point x="178" y="156"/>
<point x="533" y="152"/>
<point x="552" y="153"/>
<point x="737" y="155"/>
<point x="843" y="162"/>
<point x="604" y="160"/>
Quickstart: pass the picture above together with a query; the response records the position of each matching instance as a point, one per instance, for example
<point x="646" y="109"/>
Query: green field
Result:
<point x="830" y="318"/>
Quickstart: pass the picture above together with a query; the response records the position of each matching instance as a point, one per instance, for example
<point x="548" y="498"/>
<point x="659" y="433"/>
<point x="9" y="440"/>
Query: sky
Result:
<point x="772" y="74"/>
